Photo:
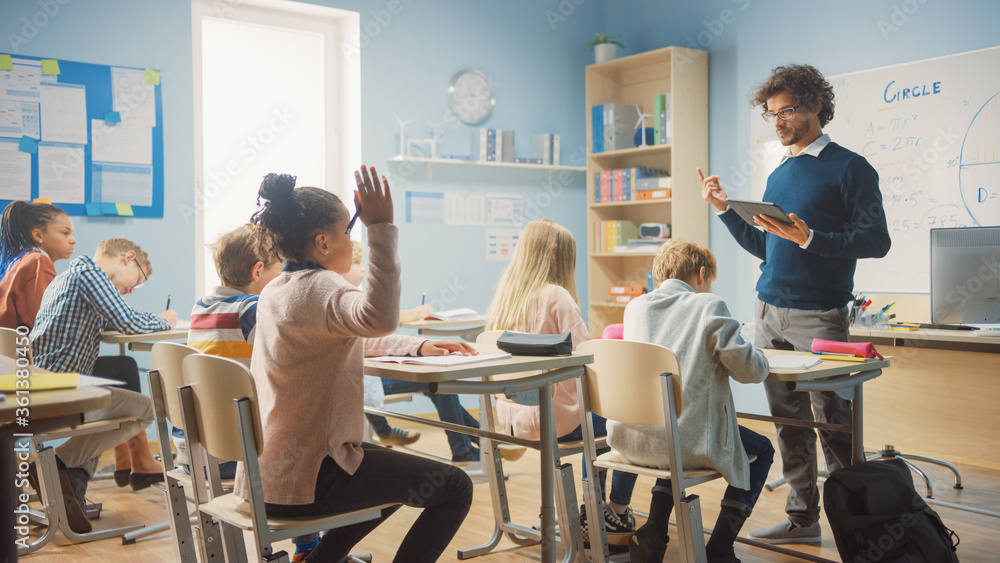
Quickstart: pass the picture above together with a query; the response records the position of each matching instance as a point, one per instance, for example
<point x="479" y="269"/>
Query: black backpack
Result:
<point x="877" y="515"/>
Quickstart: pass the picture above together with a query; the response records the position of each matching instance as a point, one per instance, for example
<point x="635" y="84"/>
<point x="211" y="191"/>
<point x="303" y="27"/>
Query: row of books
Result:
<point x="614" y="125"/>
<point x="631" y="184"/>
<point x="609" y="234"/>
<point x="495" y="145"/>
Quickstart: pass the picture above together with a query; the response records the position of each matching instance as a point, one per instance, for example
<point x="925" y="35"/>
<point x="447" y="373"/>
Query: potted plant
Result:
<point x="605" y="47"/>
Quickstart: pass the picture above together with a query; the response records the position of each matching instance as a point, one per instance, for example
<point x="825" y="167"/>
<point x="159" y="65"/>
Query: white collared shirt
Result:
<point x="813" y="149"/>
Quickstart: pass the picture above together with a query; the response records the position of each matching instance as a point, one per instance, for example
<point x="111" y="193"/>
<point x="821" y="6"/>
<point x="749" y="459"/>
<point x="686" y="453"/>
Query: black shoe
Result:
<point x="642" y="548"/>
<point x="73" y="482"/>
<point x="729" y="557"/>
<point x="122" y="477"/>
<point x="470" y="456"/>
<point x="140" y="481"/>
<point x="619" y="527"/>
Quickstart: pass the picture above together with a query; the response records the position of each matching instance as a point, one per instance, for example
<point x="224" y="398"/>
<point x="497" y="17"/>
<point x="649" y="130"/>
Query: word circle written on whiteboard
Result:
<point x="896" y="93"/>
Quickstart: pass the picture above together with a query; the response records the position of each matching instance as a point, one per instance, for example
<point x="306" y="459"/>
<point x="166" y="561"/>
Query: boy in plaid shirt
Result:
<point x="80" y="303"/>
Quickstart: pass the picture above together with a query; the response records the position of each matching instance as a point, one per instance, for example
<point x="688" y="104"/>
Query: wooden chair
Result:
<point x="164" y="379"/>
<point x="566" y="499"/>
<point x="53" y="513"/>
<point x="640" y="383"/>
<point x="221" y="421"/>
<point x="9" y="342"/>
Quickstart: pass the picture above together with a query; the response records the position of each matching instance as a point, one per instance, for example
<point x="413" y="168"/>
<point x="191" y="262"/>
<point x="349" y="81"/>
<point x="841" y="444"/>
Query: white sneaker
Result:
<point x="180" y="444"/>
<point x="787" y="532"/>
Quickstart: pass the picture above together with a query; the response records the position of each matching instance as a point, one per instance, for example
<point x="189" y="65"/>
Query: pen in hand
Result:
<point x="168" y="303"/>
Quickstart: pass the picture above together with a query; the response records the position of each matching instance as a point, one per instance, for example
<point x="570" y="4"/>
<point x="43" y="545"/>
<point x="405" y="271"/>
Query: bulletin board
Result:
<point x="88" y="137"/>
<point x="930" y="129"/>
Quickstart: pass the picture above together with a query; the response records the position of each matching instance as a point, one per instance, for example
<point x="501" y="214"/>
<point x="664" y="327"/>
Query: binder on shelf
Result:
<point x="597" y="128"/>
<point x="505" y="146"/>
<point x="555" y="149"/>
<point x="483" y="149"/>
<point x="541" y="147"/>
<point x="609" y="234"/>
<point x="619" y="126"/>
<point x="643" y="195"/>
<point x="663" y="130"/>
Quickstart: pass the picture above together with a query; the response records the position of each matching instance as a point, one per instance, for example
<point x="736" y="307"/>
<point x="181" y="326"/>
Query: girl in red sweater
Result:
<point x="32" y="237"/>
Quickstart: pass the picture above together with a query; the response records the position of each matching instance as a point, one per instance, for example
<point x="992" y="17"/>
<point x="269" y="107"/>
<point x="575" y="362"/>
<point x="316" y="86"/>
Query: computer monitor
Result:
<point x="965" y="275"/>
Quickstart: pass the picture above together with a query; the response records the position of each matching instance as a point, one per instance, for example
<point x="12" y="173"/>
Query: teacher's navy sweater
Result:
<point x="837" y="195"/>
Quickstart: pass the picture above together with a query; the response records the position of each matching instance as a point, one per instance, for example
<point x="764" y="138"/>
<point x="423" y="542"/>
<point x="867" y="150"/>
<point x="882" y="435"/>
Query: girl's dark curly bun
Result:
<point x="277" y="188"/>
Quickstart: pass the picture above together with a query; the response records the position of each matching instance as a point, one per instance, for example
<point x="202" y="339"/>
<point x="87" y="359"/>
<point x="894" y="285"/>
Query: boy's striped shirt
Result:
<point x="223" y="323"/>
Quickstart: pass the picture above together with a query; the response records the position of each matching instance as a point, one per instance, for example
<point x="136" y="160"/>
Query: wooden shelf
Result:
<point x="566" y="175"/>
<point x="611" y="204"/>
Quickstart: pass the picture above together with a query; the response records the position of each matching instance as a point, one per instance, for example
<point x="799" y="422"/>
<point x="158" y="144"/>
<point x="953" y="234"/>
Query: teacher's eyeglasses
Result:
<point x="785" y="114"/>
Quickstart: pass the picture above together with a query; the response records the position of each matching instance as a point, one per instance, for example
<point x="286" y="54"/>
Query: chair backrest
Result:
<point x="167" y="360"/>
<point x="488" y="338"/>
<point x="217" y="383"/>
<point x="8" y="342"/>
<point x="624" y="382"/>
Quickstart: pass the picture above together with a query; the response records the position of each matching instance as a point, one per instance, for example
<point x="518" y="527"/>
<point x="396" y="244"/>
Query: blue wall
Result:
<point x="533" y="52"/>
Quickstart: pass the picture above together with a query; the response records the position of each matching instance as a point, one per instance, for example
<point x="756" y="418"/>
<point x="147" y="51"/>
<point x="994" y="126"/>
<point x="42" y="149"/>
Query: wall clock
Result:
<point x="470" y="96"/>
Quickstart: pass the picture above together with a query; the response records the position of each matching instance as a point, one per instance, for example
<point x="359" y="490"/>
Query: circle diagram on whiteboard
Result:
<point x="979" y="165"/>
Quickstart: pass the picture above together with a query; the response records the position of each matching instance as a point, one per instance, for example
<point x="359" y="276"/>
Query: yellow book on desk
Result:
<point x="39" y="382"/>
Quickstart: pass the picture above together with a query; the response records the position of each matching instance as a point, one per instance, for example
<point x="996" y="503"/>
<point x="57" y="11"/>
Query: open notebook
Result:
<point x="453" y="315"/>
<point x="790" y="361"/>
<point x="48" y="381"/>
<point x="450" y="360"/>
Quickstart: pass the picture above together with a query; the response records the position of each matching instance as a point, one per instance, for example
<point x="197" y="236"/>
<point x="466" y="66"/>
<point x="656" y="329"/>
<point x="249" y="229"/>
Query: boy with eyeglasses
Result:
<point x="807" y="275"/>
<point x="76" y="307"/>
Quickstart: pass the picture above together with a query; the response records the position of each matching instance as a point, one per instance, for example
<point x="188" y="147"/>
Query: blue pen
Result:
<point x="886" y="308"/>
<point x="423" y="299"/>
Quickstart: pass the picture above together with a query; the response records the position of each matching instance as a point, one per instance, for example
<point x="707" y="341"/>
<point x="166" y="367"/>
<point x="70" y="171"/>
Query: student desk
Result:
<point x="141" y="342"/>
<point x="844" y="378"/>
<point x="939" y="399"/>
<point x="553" y="370"/>
<point x="467" y="329"/>
<point x="47" y="410"/>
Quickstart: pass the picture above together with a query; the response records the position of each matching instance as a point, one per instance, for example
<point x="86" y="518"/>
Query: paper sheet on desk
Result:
<point x="48" y="381"/>
<point x="789" y="361"/>
<point x="450" y="360"/>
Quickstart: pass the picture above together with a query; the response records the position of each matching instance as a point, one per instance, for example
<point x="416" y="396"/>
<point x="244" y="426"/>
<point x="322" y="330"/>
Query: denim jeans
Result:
<point x="442" y="491"/>
<point x="448" y="407"/>
<point x="622" y="483"/>
<point x="755" y="445"/>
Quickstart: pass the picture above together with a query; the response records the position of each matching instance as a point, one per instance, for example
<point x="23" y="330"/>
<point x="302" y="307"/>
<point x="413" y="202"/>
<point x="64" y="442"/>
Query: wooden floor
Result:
<point x="980" y="541"/>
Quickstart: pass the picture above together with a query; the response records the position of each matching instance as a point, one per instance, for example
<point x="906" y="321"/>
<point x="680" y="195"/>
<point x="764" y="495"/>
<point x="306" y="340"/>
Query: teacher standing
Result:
<point x="807" y="274"/>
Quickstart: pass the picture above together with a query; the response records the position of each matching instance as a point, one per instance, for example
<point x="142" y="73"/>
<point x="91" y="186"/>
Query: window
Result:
<point x="274" y="92"/>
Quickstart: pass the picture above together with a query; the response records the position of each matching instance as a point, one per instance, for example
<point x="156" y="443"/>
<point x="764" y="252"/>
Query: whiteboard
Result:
<point x="931" y="129"/>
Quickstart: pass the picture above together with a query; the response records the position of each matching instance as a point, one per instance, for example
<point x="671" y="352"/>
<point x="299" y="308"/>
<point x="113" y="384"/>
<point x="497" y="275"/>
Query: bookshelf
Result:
<point x="570" y="175"/>
<point x="636" y="80"/>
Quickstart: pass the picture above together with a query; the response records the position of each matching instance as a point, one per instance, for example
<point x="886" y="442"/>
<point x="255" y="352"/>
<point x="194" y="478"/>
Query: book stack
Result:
<point x="613" y="126"/>
<point x="493" y="145"/>
<point x="609" y="234"/>
<point x="545" y="148"/>
<point x="631" y="184"/>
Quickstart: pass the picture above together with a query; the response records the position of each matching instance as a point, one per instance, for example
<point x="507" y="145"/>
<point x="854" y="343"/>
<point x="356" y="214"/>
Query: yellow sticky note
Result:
<point x="6" y="63"/>
<point x="152" y="77"/>
<point x="39" y="381"/>
<point x="47" y="200"/>
<point x="124" y="209"/>
<point x="50" y="66"/>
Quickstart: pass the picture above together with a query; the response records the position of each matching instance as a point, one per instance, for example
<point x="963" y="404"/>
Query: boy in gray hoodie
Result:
<point x="697" y="327"/>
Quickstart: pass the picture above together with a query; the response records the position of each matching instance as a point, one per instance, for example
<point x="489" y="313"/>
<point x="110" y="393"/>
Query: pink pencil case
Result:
<point x="859" y="349"/>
